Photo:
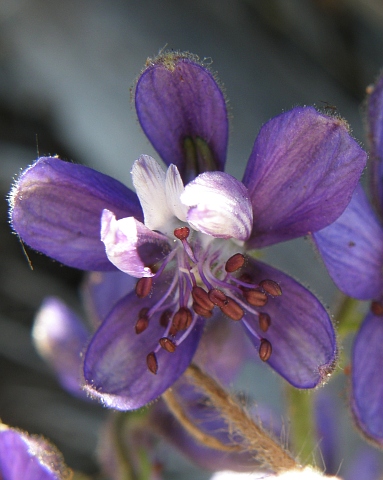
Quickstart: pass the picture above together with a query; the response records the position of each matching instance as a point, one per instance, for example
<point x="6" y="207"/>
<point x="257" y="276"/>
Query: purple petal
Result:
<point x="115" y="363"/>
<point x="183" y="113"/>
<point x="301" y="174"/>
<point x="102" y="290"/>
<point x="219" y="206"/>
<point x="56" y="208"/>
<point x="131" y="246"/>
<point x="367" y="385"/>
<point x="375" y="136"/>
<point x="301" y="333"/>
<point x="60" y="337"/>
<point x="29" y="458"/>
<point x="352" y="249"/>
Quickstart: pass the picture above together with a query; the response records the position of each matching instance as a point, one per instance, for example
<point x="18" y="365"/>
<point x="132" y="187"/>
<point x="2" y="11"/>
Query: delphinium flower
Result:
<point x="352" y="250"/>
<point x="187" y="232"/>
<point x="29" y="457"/>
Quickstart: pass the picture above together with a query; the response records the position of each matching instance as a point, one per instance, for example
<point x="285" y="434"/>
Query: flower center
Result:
<point x="204" y="279"/>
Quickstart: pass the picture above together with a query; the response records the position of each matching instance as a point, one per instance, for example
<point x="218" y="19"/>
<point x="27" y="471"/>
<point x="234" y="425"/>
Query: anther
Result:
<point x="234" y="263"/>
<point x="201" y="297"/>
<point x="144" y="286"/>
<point x="232" y="309"/>
<point x="217" y="297"/>
<point x="151" y="362"/>
<point x="271" y="287"/>
<point x="165" y="317"/>
<point x="182" y="318"/>
<point x="168" y="344"/>
<point x="202" y="312"/>
<point x="265" y="350"/>
<point x="182" y="233"/>
<point x="143" y="321"/>
<point x="255" y="297"/>
<point x="377" y="308"/>
<point x="264" y="321"/>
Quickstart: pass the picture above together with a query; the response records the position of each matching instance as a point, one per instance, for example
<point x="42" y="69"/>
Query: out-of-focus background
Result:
<point x="66" y="69"/>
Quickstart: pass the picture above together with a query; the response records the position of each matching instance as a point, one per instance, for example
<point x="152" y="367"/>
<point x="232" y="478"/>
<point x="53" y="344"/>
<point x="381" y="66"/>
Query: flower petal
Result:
<point x="301" y="174"/>
<point x="352" y="249"/>
<point x="60" y="337"/>
<point x="174" y="188"/>
<point x="375" y="136"/>
<point x="367" y="385"/>
<point x="29" y="458"/>
<point x="183" y="113"/>
<point x="131" y="246"/>
<point x="56" y="208"/>
<point x="301" y="333"/>
<point x="219" y="206"/>
<point x="115" y="366"/>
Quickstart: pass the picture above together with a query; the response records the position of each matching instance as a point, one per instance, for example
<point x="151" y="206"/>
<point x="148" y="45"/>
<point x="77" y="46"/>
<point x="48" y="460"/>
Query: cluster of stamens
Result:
<point x="201" y="300"/>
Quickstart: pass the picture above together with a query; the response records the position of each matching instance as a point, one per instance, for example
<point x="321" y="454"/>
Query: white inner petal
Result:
<point x="174" y="188"/>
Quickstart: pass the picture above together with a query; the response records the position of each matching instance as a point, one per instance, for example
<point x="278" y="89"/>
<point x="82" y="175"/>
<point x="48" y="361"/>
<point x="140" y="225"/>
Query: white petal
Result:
<point x="174" y="188"/>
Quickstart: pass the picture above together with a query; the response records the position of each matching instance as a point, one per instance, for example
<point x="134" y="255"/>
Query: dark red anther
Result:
<point x="202" y="312"/>
<point x="168" y="344"/>
<point x="265" y="350"/>
<point x="246" y="278"/>
<point x="165" y="317"/>
<point x="377" y="308"/>
<point x="182" y="318"/>
<point x="173" y="330"/>
<point x="255" y="297"/>
<point x="143" y="321"/>
<point x="151" y="362"/>
<point x="217" y="297"/>
<point x="201" y="297"/>
<point x="264" y="321"/>
<point x="232" y="309"/>
<point x="235" y="263"/>
<point x="271" y="287"/>
<point x="144" y="286"/>
<point x="182" y="233"/>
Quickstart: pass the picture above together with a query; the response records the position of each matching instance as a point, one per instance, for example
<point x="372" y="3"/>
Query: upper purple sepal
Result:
<point x="352" y="249"/>
<point x="183" y="113"/>
<point x="367" y="385"/>
<point x="56" y="209"/>
<point x="301" y="174"/>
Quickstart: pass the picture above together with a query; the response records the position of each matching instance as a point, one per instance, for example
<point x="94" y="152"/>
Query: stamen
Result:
<point x="377" y="308"/>
<point x="232" y="309"/>
<point x="143" y="321"/>
<point x="265" y="350"/>
<point x="165" y="317"/>
<point x="202" y="312"/>
<point x="217" y="297"/>
<point x="255" y="297"/>
<point x="264" y="321"/>
<point x="144" y="286"/>
<point x="168" y="344"/>
<point x="182" y="233"/>
<point x="271" y="287"/>
<point x="151" y="362"/>
<point x="182" y="319"/>
<point x="201" y="298"/>
<point x="235" y="263"/>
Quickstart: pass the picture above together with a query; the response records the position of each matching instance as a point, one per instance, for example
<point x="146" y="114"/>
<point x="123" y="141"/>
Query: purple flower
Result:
<point x="29" y="457"/>
<point x="352" y="250"/>
<point x="186" y="234"/>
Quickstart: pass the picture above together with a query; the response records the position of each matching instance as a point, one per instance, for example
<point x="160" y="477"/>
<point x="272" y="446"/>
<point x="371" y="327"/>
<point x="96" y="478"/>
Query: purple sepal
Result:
<point x="60" y="337"/>
<point x="367" y="385"/>
<point x="131" y="246"/>
<point x="219" y="206"/>
<point x="301" y="174"/>
<point x="115" y="368"/>
<point x="102" y="290"/>
<point x="56" y="209"/>
<point x="178" y="99"/>
<point x="352" y="249"/>
<point x="27" y="457"/>
<point x="304" y="349"/>
<point x="375" y="137"/>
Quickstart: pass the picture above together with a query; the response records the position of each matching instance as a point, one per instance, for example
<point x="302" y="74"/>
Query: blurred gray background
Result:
<point x="66" y="69"/>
